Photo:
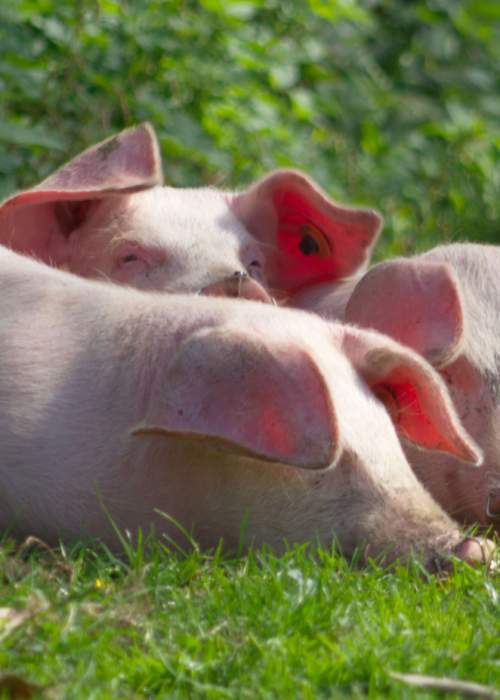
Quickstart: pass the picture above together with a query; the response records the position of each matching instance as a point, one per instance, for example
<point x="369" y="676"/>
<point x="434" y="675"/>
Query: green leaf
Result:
<point x="29" y="136"/>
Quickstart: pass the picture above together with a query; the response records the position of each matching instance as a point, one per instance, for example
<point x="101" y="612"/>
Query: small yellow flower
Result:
<point x="99" y="583"/>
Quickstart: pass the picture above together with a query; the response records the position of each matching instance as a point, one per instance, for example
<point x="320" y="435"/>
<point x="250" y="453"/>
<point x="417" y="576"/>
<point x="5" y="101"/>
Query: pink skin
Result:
<point x="105" y="215"/>
<point x="115" y="402"/>
<point x="444" y="305"/>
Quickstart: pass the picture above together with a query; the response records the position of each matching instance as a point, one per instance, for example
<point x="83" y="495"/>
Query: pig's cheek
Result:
<point x="128" y="271"/>
<point x="468" y="391"/>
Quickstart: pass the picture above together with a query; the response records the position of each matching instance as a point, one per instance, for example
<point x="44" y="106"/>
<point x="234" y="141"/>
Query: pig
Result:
<point x="105" y="215"/>
<point x="231" y="420"/>
<point x="444" y="304"/>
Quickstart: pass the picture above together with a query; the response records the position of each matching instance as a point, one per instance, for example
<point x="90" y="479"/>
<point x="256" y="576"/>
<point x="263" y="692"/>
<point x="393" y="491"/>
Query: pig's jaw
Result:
<point x="377" y="519"/>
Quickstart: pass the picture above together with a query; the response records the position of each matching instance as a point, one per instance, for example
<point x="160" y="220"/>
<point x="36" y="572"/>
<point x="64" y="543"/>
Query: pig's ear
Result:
<point x="306" y="237"/>
<point x="414" y="394"/>
<point x="416" y="302"/>
<point x="246" y="396"/>
<point x="39" y="221"/>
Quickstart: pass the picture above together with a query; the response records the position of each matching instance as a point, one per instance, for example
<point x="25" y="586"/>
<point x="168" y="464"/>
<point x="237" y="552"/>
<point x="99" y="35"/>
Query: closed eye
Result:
<point x="129" y="258"/>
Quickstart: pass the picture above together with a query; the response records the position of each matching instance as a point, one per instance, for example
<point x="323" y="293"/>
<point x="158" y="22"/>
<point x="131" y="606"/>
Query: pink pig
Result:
<point x="104" y="214"/>
<point x="444" y="304"/>
<point x="117" y="403"/>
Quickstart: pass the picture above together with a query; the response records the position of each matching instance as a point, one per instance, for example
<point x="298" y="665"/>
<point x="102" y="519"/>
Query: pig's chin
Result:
<point x="434" y="557"/>
<point x="398" y="533"/>
<point x="440" y="558"/>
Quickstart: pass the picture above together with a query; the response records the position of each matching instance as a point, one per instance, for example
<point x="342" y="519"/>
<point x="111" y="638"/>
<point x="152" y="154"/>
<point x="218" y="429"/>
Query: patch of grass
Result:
<point x="90" y="625"/>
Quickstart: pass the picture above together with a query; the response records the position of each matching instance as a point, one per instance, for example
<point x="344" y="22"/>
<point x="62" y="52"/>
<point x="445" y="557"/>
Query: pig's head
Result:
<point x="303" y="441"/>
<point x="104" y="214"/>
<point x="444" y="306"/>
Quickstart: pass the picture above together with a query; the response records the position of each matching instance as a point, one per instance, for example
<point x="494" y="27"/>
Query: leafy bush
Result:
<point x="389" y="104"/>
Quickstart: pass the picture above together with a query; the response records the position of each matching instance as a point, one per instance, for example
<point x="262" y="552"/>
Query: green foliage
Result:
<point x="391" y="104"/>
<point x="83" y="624"/>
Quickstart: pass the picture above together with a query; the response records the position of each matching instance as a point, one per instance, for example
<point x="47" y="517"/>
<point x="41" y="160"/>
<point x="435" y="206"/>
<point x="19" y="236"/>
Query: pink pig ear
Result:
<point x="246" y="396"/>
<point x="306" y="237"/>
<point x="415" y="302"/>
<point x="39" y="221"/>
<point x="414" y="394"/>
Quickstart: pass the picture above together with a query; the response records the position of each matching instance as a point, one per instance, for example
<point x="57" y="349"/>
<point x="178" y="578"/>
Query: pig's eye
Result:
<point x="134" y="262"/>
<point x="129" y="258"/>
<point x="314" y="242"/>
<point x="389" y="398"/>
<point x="128" y="253"/>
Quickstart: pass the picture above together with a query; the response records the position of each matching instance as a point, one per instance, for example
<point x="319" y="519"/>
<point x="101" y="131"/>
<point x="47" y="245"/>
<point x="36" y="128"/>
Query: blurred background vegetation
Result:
<point x="390" y="103"/>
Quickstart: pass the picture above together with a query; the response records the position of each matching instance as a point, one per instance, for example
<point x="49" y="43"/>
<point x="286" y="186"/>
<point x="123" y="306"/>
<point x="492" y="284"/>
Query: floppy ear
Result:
<point x="247" y="396"/>
<point x="415" y="302"/>
<point x="306" y="237"/>
<point x="414" y="394"/>
<point x="39" y="221"/>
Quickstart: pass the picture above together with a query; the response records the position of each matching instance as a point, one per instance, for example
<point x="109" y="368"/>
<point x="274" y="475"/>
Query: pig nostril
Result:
<point x="477" y="551"/>
<point x="493" y="505"/>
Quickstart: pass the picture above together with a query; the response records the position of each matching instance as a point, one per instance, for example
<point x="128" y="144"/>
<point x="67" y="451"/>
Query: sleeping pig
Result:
<point x="105" y="215"/>
<point x="151" y="410"/>
<point x="445" y="304"/>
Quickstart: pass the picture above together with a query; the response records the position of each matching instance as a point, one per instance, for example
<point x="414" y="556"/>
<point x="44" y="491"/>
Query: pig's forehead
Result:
<point x="201" y="211"/>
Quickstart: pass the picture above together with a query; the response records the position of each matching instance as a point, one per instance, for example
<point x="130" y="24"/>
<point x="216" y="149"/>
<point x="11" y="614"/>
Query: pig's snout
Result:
<point x="476" y="551"/>
<point x="238" y="285"/>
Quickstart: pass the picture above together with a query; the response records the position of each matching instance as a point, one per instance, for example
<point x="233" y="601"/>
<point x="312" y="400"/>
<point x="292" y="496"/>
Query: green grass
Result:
<point x="297" y="626"/>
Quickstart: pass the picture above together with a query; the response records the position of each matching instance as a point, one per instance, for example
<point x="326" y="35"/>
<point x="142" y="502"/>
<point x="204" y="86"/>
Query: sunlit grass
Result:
<point x="306" y="625"/>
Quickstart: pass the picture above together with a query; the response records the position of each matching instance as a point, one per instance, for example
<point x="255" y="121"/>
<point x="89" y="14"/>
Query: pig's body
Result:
<point x="445" y="304"/>
<point x="473" y="379"/>
<point x="117" y="402"/>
